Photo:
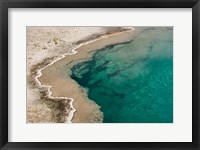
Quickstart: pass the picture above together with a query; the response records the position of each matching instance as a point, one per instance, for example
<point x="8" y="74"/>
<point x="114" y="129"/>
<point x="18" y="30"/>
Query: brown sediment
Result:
<point x="53" y="111"/>
<point x="60" y="107"/>
<point x="34" y="69"/>
<point x="87" y="111"/>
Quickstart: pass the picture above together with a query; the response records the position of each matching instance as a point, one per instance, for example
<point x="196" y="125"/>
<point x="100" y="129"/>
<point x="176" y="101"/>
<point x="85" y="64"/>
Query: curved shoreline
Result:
<point x="72" y="110"/>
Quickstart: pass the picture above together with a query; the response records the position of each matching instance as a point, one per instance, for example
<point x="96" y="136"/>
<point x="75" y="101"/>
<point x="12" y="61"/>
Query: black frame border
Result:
<point x="6" y="4"/>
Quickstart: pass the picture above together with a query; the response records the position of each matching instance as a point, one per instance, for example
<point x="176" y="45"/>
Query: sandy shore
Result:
<point x="63" y="86"/>
<point x="50" y="90"/>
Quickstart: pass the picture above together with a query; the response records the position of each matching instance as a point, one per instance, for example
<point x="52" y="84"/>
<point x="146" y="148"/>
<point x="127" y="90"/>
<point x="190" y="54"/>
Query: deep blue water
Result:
<point x="133" y="81"/>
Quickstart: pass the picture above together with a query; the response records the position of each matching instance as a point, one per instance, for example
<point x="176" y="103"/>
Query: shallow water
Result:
<point x="132" y="82"/>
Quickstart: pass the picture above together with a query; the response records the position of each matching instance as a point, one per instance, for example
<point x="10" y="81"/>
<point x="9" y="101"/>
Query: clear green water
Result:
<point x="132" y="82"/>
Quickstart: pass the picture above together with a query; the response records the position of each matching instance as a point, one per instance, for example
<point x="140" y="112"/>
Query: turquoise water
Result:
<point x="132" y="82"/>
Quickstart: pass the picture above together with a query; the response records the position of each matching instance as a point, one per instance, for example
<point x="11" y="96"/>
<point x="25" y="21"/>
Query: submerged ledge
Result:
<point x="61" y="88"/>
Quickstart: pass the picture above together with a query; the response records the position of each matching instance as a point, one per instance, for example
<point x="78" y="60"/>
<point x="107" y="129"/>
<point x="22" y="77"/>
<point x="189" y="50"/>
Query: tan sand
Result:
<point x="87" y="111"/>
